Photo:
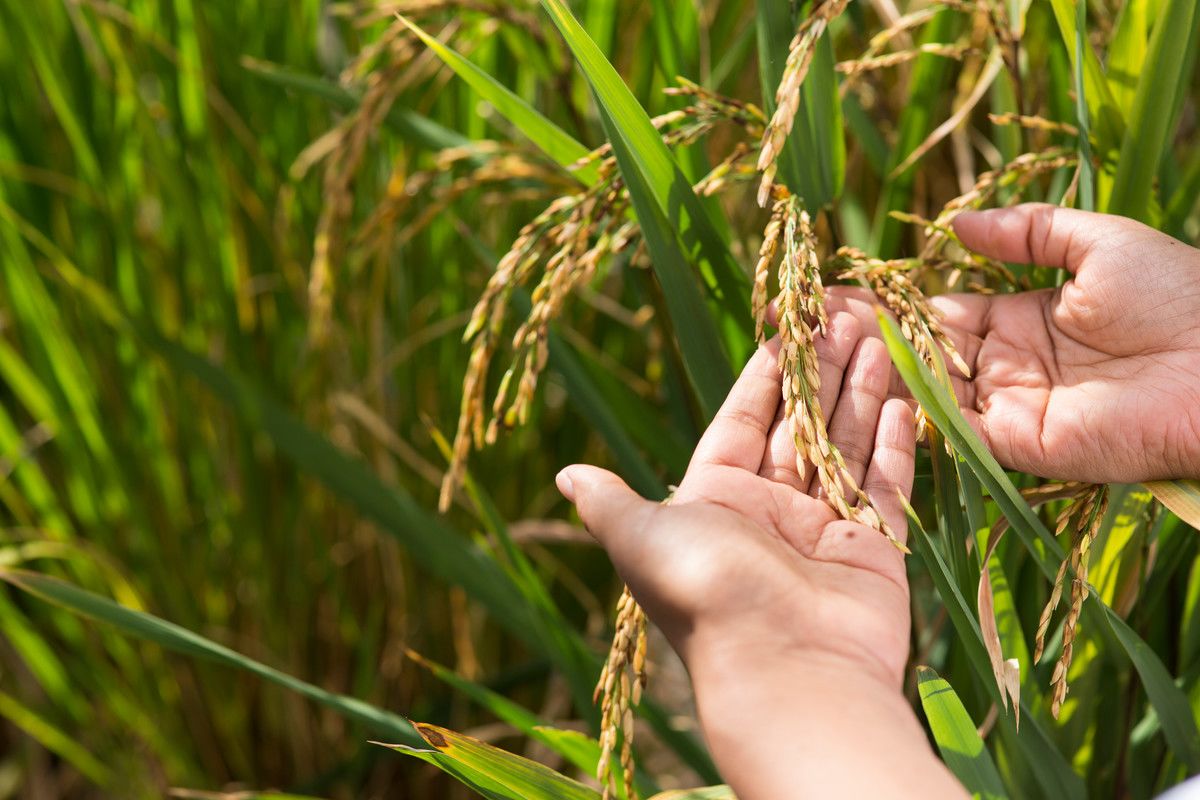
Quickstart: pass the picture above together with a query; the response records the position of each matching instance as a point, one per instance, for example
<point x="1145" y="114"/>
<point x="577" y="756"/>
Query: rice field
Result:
<point x="303" y="306"/>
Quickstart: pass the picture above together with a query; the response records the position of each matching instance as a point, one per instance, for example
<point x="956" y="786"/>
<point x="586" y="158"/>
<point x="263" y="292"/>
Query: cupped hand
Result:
<point x="1098" y="380"/>
<point x="747" y="563"/>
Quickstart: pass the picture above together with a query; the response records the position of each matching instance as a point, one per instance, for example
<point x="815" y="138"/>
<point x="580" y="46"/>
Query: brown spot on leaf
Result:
<point x="432" y="736"/>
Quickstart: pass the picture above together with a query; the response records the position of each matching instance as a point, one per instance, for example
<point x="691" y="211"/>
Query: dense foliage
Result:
<point x="240" y="244"/>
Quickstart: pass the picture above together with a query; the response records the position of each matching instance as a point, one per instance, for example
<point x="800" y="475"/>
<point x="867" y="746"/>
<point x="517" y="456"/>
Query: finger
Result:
<point x="834" y="351"/>
<point x="964" y="316"/>
<point x="779" y="460"/>
<point x="864" y="390"/>
<point x="1039" y="233"/>
<point x="611" y="511"/>
<point x="737" y="436"/>
<point x="891" y="472"/>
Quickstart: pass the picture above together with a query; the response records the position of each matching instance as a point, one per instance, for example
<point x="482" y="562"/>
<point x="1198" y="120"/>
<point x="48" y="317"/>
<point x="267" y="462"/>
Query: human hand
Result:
<point x="794" y="624"/>
<point x="1098" y="380"/>
<point x="747" y="561"/>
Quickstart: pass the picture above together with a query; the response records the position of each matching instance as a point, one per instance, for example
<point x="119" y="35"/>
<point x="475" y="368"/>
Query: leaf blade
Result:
<point x="957" y="738"/>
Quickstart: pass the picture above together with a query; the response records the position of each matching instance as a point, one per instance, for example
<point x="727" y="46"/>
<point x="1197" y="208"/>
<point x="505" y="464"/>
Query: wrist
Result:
<point x="818" y="725"/>
<point x="721" y="660"/>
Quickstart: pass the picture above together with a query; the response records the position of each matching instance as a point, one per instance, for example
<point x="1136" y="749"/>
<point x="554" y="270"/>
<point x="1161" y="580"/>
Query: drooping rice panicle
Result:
<point x="1083" y="516"/>
<point x="1021" y="170"/>
<point x="944" y="251"/>
<point x="859" y="66"/>
<point x="569" y="241"/>
<point x="344" y="149"/>
<point x="920" y="321"/>
<point x="787" y="96"/>
<point x="801" y="306"/>
<point x="1034" y="123"/>
<point x="619" y="690"/>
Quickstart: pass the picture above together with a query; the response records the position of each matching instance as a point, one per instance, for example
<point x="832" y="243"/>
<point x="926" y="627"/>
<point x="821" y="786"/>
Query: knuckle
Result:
<point x="743" y="418"/>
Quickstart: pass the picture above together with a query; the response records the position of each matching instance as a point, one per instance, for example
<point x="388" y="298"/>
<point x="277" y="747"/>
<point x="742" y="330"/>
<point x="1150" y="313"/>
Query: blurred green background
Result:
<point x="239" y="242"/>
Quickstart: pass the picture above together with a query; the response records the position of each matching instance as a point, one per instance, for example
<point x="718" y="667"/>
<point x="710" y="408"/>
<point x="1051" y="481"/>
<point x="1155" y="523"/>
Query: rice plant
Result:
<point x="301" y="312"/>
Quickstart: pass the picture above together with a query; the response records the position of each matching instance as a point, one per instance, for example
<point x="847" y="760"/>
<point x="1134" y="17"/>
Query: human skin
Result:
<point x="1098" y="380"/>
<point x="794" y="624"/>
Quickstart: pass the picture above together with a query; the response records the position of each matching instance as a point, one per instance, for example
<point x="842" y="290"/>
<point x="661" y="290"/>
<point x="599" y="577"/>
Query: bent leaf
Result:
<point x="1181" y="497"/>
<point x="494" y="773"/>
<point x="1006" y="671"/>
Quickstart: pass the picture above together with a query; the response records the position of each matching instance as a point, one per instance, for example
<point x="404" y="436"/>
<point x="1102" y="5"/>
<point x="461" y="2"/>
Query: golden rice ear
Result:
<point x="1084" y="515"/>
<point x="618" y="695"/>
<point x="787" y="96"/>
<point x="568" y="242"/>
<point x="801" y="306"/>
<point x="894" y="283"/>
<point x="773" y="234"/>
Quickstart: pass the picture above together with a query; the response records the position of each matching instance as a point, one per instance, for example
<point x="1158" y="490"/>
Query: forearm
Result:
<point x="813" y="729"/>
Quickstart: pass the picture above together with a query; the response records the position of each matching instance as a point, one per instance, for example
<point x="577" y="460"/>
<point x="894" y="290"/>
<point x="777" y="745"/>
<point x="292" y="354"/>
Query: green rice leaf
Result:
<point x="494" y="773"/>
<point x="942" y="409"/>
<point x="1087" y="177"/>
<point x="54" y="739"/>
<point x="676" y="34"/>
<point x="579" y="749"/>
<point x="181" y="640"/>
<point x="1127" y="52"/>
<point x="1185" y="200"/>
<point x="439" y="550"/>
<point x="1052" y="772"/>
<point x="704" y="358"/>
<point x="583" y="754"/>
<point x="665" y="204"/>
<point x="1106" y="119"/>
<point x="1154" y="110"/>
<point x="957" y="738"/>
<point x="1179" y="726"/>
<point x="555" y="142"/>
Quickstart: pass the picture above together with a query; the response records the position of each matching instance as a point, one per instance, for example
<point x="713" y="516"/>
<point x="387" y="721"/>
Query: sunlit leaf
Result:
<point x="956" y="737"/>
<point x="494" y="773"/>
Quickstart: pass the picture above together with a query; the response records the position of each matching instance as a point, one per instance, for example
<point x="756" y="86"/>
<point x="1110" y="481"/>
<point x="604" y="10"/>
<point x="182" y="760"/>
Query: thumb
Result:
<point x="1043" y="234"/>
<point x="612" y="512"/>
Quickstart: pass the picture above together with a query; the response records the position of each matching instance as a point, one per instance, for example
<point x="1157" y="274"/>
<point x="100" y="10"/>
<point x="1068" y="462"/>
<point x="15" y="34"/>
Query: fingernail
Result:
<point x="563" y="481"/>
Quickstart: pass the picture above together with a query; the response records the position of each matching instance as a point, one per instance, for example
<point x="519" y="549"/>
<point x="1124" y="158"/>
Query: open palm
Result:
<point x="1098" y="380"/>
<point x="747" y="553"/>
